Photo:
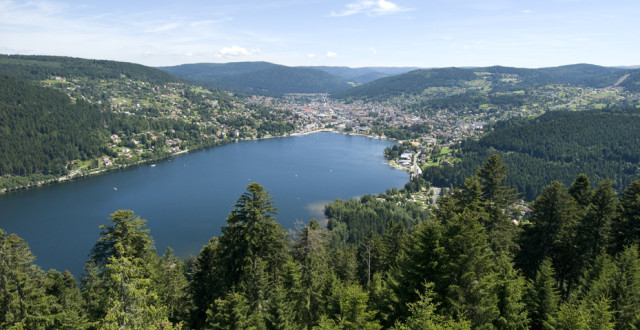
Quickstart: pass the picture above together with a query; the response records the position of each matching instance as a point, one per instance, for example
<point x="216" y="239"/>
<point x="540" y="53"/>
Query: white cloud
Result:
<point x="371" y="8"/>
<point x="311" y="55"/>
<point x="526" y="11"/>
<point x="331" y="54"/>
<point x="373" y="50"/>
<point x="235" y="51"/>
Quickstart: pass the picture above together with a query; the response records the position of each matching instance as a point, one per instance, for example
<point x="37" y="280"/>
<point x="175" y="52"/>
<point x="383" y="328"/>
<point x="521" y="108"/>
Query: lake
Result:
<point x="186" y="199"/>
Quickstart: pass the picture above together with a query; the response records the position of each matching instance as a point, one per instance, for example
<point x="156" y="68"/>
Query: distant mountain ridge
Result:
<point x="38" y="67"/>
<point x="260" y="78"/>
<point x="266" y="78"/>
<point x="495" y="78"/>
<point x="365" y="74"/>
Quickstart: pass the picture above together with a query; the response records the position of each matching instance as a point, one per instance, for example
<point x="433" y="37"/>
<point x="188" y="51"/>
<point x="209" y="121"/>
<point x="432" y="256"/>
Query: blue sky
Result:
<point x="355" y="33"/>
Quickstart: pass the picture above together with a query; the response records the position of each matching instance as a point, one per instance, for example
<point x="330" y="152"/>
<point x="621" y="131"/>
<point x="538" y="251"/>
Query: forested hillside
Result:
<point x="37" y="68"/>
<point x="488" y="79"/>
<point x="365" y="74"/>
<point x="71" y="117"/>
<point x="261" y="78"/>
<point x="574" y="264"/>
<point x="558" y="145"/>
<point x="42" y="129"/>
<point x="410" y="83"/>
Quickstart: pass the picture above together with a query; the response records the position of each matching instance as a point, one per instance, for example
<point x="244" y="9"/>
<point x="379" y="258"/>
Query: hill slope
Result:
<point x="494" y="78"/>
<point x="37" y="68"/>
<point x="70" y="117"/>
<point x="558" y="145"/>
<point x="365" y="74"/>
<point x="42" y="129"/>
<point x="260" y="78"/>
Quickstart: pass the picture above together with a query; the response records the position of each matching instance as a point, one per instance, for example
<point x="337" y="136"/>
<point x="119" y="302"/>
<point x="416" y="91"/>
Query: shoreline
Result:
<point x="78" y="175"/>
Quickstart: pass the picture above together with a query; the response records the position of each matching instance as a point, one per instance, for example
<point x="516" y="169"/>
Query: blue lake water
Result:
<point x="186" y="200"/>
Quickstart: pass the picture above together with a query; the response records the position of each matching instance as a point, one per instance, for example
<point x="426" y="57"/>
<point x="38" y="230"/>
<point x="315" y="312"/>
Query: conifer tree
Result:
<point x="628" y="225"/>
<point x="491" y="174"/>
<point x="469" y="274"/>
<point x="553" y="234"/>
<point x="542" y="297"/>
<point x="311" y="253"/>
<point x="423" y="315"/>
<point x="204" y="285"/>
<point x="421" y="261"/>
<point x="121" y="281"/>
<point x="67" y="308"/>
<point x="23" y="301"/>
<point x="627" y="299"/>
<point x="391" y="244"/>
<point x="594" y="232"/>
<point x="580" y="190"/>
<point x="349" y="308"/>
<point x="510" y="288"/>
<point x="173" y="287"/>
<point x="130" y="299"/>
<point x="251" y="237"/>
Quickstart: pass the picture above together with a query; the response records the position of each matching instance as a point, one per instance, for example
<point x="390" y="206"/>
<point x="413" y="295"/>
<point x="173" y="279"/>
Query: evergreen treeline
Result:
<point x="42" y="130"/>
<point x="259" y="78"/>
<point x="574" y="265"/>
<point x="37" y="68"/>
<point x="558" y="145"/>
<point x="500" y="78"/>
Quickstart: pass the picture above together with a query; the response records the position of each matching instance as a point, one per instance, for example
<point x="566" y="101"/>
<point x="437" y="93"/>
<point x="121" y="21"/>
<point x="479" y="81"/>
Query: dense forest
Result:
<point x="490" y="79"/>
<point x="36" y="68"/>
<point x="558" y="145"/>
<point x="573" y="265"/>
<point x="259" y="78"/>
<point x="42" y="130"/>
<point x="64" y="116"/>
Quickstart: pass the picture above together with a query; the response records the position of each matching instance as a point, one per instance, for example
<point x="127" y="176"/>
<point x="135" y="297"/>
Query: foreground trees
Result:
<point x="574" y="265"/>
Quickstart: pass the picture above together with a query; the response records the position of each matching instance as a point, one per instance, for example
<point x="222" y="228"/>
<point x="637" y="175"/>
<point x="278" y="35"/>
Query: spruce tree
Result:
<point x="510" y="288"/>
<point x="251" y="237"/>
<point x="595" y="231"/>
<point x="421" y="261"/>
<point x="542" y="297"/>
<point x="23" y="301"/>
<point x="67" y="307"/>
<point x="469" y="275"/>
<point x="553" y="234"/>
<point x="580" y="190"/>
<point x="627" y="227"/>
<point x="121" y="281"/>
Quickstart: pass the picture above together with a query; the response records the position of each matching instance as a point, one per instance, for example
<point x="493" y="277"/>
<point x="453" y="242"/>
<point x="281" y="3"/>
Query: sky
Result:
<point x="354" y="33"/>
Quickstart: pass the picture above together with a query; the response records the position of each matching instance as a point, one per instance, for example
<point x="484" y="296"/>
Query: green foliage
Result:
<point x="447" y="272"/>
<point x="543" y="297"/>
<point x="555" y="146"/>
<point x="348" y="308"/>
<point x="372" y="214"/>
<point x="627" y="227"/>
<point x="23" y="302"/>
<point x="66" y="307"/>
<point x="250" y="237"/>
<point x="424" y="316"/>
<point x="43" y="67"/>
<point x="125" y="284"/>
<point x="41" y="130"/>
<point x="259" y="78"/>
<point x="553" y="234"/>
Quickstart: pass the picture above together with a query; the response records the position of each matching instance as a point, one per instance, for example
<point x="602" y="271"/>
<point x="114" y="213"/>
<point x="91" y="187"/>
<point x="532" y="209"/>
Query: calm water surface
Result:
<point x="187" y="199"/>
